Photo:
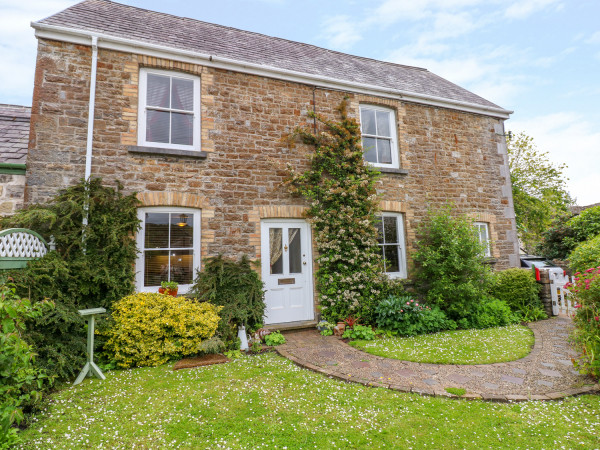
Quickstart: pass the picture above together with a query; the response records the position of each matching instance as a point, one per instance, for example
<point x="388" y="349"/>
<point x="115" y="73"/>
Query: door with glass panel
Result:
<point x="168" y="243"/>
<point x="287" y="270"/>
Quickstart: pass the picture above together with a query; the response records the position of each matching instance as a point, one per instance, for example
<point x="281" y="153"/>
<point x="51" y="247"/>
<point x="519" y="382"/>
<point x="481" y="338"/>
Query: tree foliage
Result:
<point x="539" y="189"/>
<point x="91" y="267"/>
<point x="449" y="263"/>
<point x="343" y="205"/>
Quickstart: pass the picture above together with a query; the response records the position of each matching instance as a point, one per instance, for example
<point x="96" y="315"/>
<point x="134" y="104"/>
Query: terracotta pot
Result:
<point x="172" y="292"/>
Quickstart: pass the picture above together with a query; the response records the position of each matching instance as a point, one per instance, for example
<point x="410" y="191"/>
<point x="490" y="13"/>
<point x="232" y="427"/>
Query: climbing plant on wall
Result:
<point x="340" y="189"/>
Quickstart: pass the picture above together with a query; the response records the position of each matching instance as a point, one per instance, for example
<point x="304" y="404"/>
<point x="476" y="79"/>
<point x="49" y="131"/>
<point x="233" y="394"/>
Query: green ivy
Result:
<point x="91" y="267"/>
<point x="340" y="189"/>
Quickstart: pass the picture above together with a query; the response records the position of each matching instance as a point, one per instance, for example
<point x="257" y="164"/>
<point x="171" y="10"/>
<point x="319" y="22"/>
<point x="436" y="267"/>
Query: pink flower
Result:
<point x="408" y="303"/>
<point x="412" y="301"/>
<point x="577" y="273"/>
<point x="577" y="306"/>
<point x="401" y="310"/>
<point x="597" y="318"/>
<point x="590" y="270"/>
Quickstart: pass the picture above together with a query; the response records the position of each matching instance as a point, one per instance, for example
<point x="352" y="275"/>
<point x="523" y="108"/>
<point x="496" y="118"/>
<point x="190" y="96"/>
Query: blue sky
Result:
<point x="540" y="58"/>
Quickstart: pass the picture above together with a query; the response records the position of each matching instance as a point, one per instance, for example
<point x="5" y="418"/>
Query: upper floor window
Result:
<point x="483" y="232"/>
<point x="169" y="246"/>
<point x="390" y="234"/>
<point x="378" y="129"/>
<point x="169" y="110"/>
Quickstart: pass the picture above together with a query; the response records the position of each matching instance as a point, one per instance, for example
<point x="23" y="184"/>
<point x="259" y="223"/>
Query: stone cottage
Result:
<point x="190" y="115"/>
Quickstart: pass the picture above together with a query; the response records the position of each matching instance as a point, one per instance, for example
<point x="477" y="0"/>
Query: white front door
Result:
<point x="287" y="270"/>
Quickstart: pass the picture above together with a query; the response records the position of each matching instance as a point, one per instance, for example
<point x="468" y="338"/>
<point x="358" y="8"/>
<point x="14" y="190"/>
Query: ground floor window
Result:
<point x="390" y="235"/>
<point x="169" y="246"/>
<point x="483" y="232"/>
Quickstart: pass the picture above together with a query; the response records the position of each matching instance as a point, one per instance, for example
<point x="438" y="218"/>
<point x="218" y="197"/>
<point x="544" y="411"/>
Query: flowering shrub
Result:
<point x="586" y="336"/>
<point x="406" y="317"/>
<point x="150" y="329"/>
<point x="585" y="255"/>
<point x="340" y="189"/>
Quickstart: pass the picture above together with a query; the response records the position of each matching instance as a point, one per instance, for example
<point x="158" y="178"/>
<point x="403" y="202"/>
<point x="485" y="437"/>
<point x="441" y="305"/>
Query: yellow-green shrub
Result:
<point x="150" y="329"/>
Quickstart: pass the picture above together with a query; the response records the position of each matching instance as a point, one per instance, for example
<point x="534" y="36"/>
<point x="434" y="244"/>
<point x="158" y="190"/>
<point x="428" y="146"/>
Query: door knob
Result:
<point x="304" y="263"/>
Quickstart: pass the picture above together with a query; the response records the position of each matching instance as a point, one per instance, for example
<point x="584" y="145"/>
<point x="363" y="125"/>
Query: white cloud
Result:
<point x="391" y="11"/>
<point x="341" y="32"/>
<point x="18" y="49"/>
<point x="570" y="139"/>
<point x="594" y="38"/>
<point x="521" y="9"/>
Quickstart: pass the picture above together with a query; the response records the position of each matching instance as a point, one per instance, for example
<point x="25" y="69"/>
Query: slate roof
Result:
<point x="123" y="21"/>
<point x="14" y="133"/>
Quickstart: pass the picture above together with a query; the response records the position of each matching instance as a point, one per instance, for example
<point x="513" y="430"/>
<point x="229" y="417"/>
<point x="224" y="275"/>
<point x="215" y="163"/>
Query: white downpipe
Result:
<point x="91" y="109"/>
<point x="90" y="130"/>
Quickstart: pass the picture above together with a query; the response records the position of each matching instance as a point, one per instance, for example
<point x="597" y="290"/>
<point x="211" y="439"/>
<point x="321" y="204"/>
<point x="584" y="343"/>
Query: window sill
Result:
<point x="490" y="260"/>
<point x="391" y="170"/>
<point x="194" y="154"/>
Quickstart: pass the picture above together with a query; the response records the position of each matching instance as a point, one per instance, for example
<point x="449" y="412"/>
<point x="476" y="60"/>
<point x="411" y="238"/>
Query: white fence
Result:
<point x="561" y="303"/>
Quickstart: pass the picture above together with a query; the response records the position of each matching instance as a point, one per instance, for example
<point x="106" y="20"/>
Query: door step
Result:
<point x="303" y="324"/>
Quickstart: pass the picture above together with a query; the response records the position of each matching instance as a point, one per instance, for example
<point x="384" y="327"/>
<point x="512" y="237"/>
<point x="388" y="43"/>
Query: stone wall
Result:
<point x="450" y="156"/>
<point x="11" y="193"/>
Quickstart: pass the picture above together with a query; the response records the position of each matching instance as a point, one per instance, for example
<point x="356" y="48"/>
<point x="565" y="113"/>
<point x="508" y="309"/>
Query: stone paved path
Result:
<point x="546" y="373"/>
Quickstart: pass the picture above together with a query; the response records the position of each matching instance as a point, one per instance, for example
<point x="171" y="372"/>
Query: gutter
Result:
<point x="76" y="36"/>
<point x="12" y="169"/>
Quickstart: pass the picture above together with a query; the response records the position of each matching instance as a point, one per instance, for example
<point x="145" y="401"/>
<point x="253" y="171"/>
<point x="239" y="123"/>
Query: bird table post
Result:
<point x="90" y="365"/>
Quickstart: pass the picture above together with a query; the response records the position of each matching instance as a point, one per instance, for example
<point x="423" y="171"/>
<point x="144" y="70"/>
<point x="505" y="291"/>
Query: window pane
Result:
<point x="384" y="151"/>
<point x="391" y="230"/>
<point x="369" y="149"/>
<point x="156" y="267"/>
<point x="383" y="123"/>
<point x="182" y="231"/>
<point x="295" y="250"/>
<point x="182" y="266"/>
<point x="182" y="96"/>
<point x="157" y="93"/>
<point x="276" y="250"/>
<point x="156" y="231"/>
<point x="379" y="226"/>
<point x="157" y="126"/>
<point x="367" y="121"/>
<point x="182" y="131"/>
<point x="391" y="258"/>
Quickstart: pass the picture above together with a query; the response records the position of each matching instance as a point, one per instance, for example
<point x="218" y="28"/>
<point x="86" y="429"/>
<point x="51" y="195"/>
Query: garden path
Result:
<point x="546" y="373"/>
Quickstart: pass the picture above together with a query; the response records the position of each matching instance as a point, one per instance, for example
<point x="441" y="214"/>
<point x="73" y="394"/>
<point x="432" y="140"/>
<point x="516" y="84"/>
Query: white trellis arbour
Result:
<point x="20" y="245"/>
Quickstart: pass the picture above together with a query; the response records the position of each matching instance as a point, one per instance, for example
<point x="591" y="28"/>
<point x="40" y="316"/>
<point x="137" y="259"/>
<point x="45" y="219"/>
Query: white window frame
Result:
<point x="402" y="273"/>
<point x="142" y="110"/>
<point x="487" y="242"/>
<point x="395" y="164"/>
<point x="140" y="238"/>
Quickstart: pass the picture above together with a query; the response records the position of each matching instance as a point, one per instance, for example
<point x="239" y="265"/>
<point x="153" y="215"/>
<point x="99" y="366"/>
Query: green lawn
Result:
<point x="266" y="401"/>
<point x="456" y="347"/>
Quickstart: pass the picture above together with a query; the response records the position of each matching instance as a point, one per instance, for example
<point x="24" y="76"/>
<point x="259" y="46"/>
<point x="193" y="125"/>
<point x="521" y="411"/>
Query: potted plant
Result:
<point x="169" y="288"/>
